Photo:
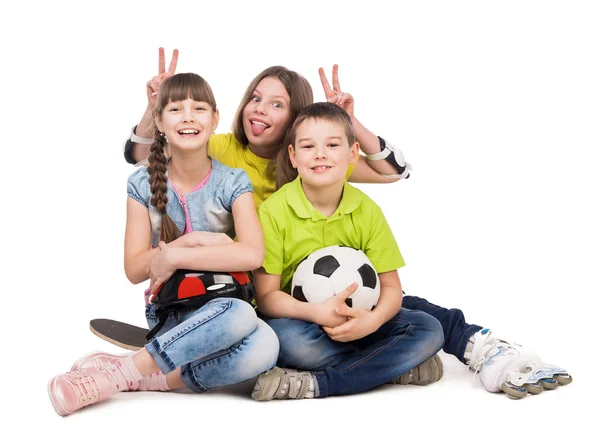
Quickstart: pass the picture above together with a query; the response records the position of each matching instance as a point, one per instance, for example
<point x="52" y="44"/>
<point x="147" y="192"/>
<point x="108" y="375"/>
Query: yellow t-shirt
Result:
<point x="293" y="229"/>
<point x="227" y="150"/>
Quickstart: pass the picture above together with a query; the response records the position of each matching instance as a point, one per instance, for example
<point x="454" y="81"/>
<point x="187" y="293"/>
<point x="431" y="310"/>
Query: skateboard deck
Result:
<point x="119" y="333"/>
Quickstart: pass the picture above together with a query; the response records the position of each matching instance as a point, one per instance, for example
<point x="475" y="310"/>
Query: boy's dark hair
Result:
<point x="325" y="111"/>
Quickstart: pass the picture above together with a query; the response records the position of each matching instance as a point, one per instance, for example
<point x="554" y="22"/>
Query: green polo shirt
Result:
<point x="293" y="229"/>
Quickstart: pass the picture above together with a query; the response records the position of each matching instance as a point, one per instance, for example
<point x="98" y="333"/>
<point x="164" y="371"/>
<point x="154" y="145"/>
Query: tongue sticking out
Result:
<point x="257" y="129"/>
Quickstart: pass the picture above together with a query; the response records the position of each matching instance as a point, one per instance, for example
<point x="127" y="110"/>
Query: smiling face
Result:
<point x="321" y="152"/>
<point x="187" y="124"/>
<point x="267" y="115"/>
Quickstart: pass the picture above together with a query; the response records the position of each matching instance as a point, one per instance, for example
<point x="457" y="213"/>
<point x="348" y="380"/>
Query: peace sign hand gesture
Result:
<point x="335" y="95"/>
<point x="153" y="85"/>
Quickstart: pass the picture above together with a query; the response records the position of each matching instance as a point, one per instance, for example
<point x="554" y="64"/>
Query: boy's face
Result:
<point x="322" y="152"/>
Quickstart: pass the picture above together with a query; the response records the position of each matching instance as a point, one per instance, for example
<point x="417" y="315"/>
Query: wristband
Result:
<point x="137" y="139"/>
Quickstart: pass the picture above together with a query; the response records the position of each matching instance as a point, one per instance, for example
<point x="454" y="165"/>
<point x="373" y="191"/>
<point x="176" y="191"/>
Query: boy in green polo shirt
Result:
<point x="335" y="349"/>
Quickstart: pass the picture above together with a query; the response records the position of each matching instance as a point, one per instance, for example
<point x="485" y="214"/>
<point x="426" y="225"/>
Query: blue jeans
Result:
<point x="219" y="344"/>
<point x="340" y="368"/>
<point x="456" y="331"/>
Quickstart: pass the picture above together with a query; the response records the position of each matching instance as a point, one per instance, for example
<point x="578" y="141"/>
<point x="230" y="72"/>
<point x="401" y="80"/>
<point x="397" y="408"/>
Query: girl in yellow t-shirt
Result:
<point x="268" y="108"/>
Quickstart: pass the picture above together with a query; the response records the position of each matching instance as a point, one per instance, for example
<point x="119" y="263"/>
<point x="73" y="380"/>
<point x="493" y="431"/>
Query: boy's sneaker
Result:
<point x="430" y="371"/>
<point x="97" y="359"/>
<point x="74" y="390"/>
<point x="281" y="383"/>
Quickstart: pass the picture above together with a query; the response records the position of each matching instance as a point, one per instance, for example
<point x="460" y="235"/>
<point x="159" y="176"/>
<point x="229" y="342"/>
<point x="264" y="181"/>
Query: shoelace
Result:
<point x="81" y="380"/>
<point x="478" y="366"/>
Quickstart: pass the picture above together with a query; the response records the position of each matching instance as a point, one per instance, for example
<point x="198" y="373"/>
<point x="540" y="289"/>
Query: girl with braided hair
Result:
<point x="258" y="144"/>
<point x="190" y="207"/>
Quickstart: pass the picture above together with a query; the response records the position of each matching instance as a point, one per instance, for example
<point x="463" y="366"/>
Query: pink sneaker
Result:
<point x="74" y="390"/>
<point x="97" y="359"/>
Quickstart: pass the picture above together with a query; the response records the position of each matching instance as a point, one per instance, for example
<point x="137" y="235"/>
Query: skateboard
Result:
<point x="119" y="333"/>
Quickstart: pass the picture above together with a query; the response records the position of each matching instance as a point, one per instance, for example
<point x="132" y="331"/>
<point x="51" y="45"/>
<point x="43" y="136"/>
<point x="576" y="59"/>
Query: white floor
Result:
<point x="457" y="403"/>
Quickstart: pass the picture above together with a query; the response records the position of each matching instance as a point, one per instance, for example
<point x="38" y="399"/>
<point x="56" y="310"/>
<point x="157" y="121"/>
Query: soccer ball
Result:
<point x="330" y="270"/>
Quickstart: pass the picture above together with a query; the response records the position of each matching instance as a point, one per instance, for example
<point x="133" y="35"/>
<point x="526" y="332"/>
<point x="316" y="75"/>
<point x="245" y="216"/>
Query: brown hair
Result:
<point x="297" y="87"/>
<point x="324" y="111"/>
<point x="179" y="87"/>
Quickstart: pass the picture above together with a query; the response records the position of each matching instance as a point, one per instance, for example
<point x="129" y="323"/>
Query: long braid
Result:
<point x="157" y="170"/>
<point x="178" y="87"/>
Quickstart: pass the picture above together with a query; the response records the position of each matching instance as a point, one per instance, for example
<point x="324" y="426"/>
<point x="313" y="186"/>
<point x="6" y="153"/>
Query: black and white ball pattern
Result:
<point x="332" y="269"/>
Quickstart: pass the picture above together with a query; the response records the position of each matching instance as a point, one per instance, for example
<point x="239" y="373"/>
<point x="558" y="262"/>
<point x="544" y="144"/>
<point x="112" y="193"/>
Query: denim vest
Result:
<point x="209" y="207"/>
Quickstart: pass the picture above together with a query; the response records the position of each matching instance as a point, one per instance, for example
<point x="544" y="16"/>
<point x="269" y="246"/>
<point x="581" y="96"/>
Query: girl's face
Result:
<point x="188" y="124"/>
<point x="322" y="153"/>
<point x="267" y="114"/>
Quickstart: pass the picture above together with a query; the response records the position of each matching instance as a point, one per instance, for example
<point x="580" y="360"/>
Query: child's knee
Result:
<point x="245" y="316"/>
<point x="263" y="353"/>
<point x="269" y="347"/>
<point x="433" y="331"/>
<point x="240" y="317"/>
<point x="243" y="310"/>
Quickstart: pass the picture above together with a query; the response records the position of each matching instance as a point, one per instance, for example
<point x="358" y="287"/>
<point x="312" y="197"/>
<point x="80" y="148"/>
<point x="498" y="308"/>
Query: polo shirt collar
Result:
<point x="297" y="200"/>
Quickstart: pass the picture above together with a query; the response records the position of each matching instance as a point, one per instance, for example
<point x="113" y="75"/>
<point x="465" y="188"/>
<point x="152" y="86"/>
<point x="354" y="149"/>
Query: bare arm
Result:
<point x="244" y="255"/>
<point x="365" y="173"/>
<point x="369" y="145"/>
<point x="145" y="127"/>
<point x="141" y="151"/>
<point x="369" y="142"/>
<point x="137" y="242"/>
<point x="138" y="254"/>
<point x="278" y="304"/>
<point x="390" y="298"/>
<point x="275" y="303"/>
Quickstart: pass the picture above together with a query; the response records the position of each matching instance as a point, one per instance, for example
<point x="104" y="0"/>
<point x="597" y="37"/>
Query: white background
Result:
<point x="496" y="105"/>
